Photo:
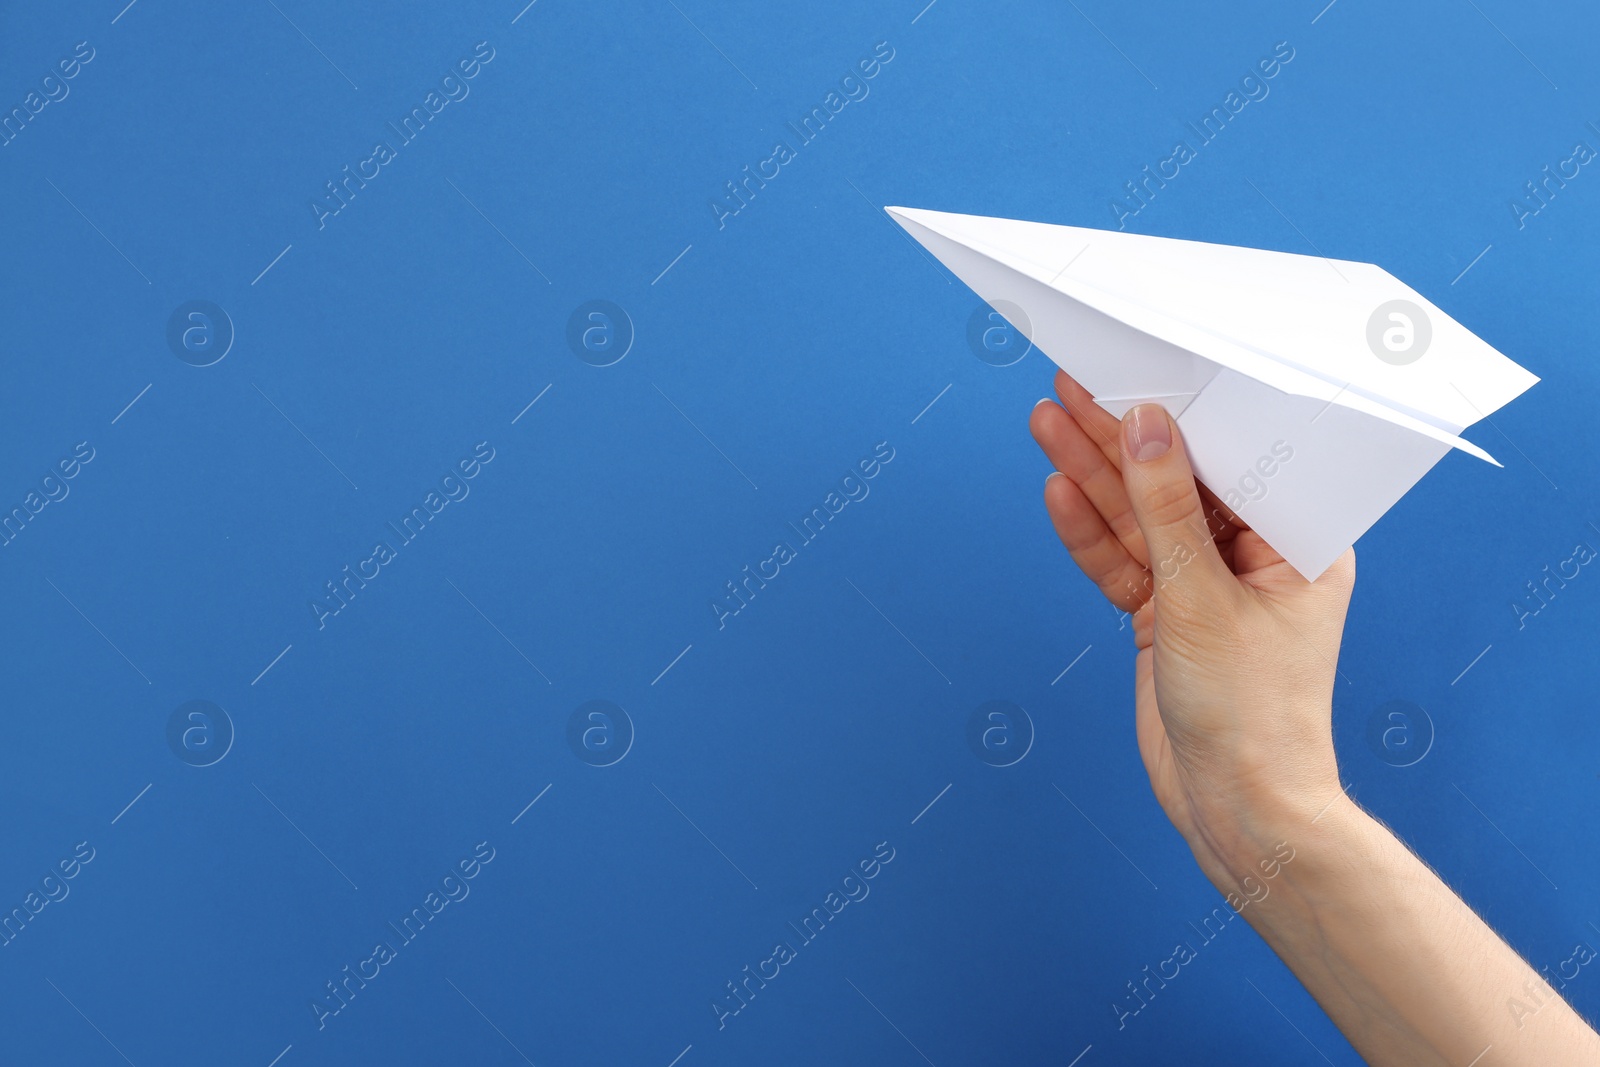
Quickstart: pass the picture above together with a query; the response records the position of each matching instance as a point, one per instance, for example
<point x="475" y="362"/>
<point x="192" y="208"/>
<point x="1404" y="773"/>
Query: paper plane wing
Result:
<point x="1312" y="393"/>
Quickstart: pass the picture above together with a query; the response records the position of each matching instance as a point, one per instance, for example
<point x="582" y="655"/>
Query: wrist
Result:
<point x="1240" y="844"/>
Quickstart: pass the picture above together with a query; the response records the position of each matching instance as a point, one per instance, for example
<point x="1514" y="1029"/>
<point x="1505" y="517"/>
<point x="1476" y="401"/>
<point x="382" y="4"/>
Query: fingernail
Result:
<point x="1053" y="474"/>
<point x="1147" y="432"/>
<point x="1046" y="400"/>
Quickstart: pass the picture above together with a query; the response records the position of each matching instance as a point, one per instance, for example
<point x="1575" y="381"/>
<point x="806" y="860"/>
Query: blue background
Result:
<point x="771" y="755"/>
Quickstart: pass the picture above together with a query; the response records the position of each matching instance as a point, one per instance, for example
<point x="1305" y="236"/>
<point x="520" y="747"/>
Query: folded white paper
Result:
<point x="1312" y="393"/>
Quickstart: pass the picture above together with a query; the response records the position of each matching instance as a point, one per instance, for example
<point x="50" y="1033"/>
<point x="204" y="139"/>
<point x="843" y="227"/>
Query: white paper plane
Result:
<point x="1311" y="392"/>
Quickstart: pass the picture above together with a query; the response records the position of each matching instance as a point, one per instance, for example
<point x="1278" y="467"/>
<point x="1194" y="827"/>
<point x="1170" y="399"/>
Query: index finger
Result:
<point x="1104" y="428"/>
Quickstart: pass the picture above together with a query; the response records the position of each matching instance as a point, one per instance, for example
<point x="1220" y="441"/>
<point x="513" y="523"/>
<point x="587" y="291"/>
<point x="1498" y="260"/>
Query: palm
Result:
<point x="1258" y="567"/>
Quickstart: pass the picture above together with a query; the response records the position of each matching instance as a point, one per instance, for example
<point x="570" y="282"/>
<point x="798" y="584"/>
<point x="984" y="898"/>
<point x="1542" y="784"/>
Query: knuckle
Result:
<point x="1339" y="580"/>
<point x="1169" y="503"/>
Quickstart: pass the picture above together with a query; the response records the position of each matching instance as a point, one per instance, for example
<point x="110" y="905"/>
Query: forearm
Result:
<point x="1232" y="688"/>
<point x="1404" y="968"/>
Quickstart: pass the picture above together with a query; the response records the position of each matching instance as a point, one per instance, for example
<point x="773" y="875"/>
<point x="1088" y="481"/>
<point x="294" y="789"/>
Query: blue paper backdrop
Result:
<point x="377" y="339"/>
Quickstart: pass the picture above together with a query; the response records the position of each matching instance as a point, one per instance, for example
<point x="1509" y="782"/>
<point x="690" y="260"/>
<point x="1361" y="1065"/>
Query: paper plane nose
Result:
<point x="903" y="215"/>
<point x="946" y="224"/>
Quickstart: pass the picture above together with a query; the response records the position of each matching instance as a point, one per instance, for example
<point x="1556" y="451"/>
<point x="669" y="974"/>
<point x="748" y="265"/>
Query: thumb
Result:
<point x="1184" y="562"/>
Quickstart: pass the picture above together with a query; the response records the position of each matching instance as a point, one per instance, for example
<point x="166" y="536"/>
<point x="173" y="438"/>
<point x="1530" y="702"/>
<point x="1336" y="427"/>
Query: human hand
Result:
<point x="1234" y="676"/>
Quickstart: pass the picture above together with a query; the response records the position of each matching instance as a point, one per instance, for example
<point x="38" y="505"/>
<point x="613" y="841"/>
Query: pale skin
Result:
<point x="1233" y="694"/>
